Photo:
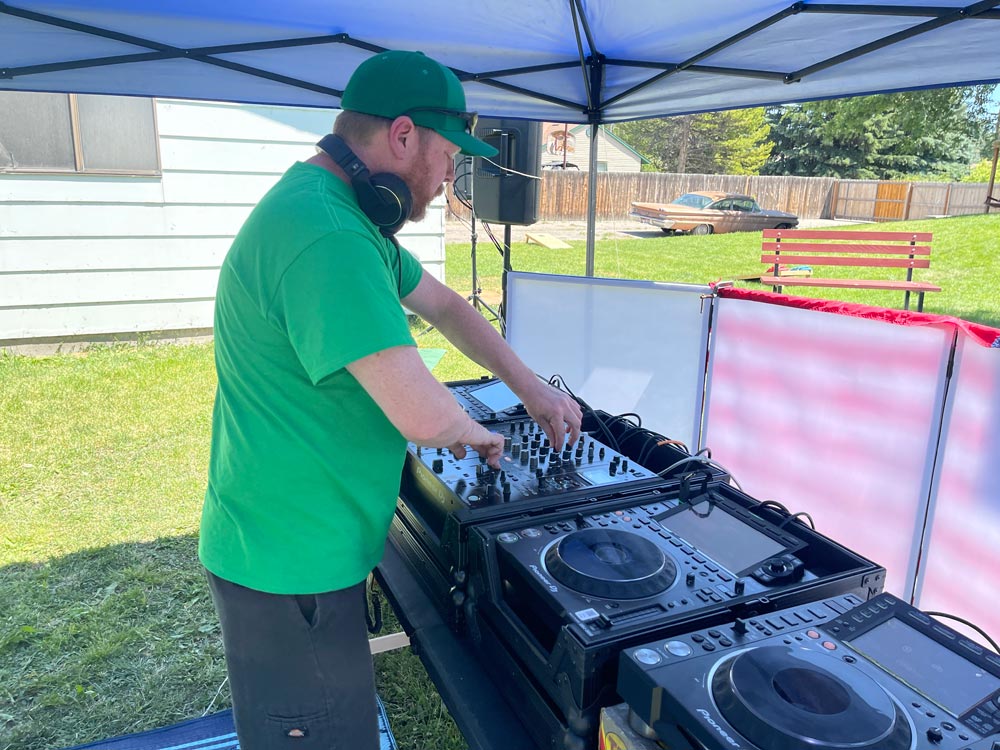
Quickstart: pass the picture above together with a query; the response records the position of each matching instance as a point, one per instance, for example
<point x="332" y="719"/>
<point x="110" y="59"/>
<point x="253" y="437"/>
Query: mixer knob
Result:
<point x="612" y="468"/>
<point x="739" y="587"/>
<point x="934" y="734"/>
<point x="580" y="441"/>
<point x="515" y="450"/>
<point x="437" y="466"/>
<point x="600" y="453"/>
<point x="533" y="464"/>
<point x="739" y="626"/>
<point x="567" y="454"/>
<point x="524" y="457"/>
<point x="507" y="443"/>
<point x="624" y="466"/>
<point x="546" y="443"/>
<point x="506" y="492"/>
<point x="689" y="579"/>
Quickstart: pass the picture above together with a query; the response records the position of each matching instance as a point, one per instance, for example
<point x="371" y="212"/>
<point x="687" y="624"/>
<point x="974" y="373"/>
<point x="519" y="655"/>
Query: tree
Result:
<point x="980" y="172"/>
<point x="745" y="147"/>
<point x="930" y="134"/>
<point x="733" y="142"/>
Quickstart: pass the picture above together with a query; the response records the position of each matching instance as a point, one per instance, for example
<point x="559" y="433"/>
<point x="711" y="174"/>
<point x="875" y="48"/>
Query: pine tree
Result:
<point x="917" y="134"/>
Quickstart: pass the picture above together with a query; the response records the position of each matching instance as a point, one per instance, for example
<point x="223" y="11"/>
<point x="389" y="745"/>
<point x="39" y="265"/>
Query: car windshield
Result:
<point x="693" y="200"/>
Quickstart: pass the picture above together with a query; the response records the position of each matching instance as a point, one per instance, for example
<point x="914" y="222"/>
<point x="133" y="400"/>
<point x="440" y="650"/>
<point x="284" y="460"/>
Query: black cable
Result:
<point x="651" y="441"/>
<point x="638" y="422"/>
<point x="662" y="442"/>
<point x="647" y="450"/>
<point x="630" y="432"/>
<point x="701" y="460"/>
<point x="969" y="624"/>
<point x="373" y="617"/>
<point x="793" y="516"/>
<point x="455" y="213"/>
<point x="559" y="381"/>
<point x="489" y="232"/>
<point x="774" y="504"/>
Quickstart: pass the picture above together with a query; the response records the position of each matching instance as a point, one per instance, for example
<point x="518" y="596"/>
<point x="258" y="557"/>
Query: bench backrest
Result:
<point x="831" y="247"/>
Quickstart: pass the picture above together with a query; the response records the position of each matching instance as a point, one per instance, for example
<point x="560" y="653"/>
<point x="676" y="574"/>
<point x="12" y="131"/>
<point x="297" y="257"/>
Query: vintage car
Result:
<point x="710" y="212"/>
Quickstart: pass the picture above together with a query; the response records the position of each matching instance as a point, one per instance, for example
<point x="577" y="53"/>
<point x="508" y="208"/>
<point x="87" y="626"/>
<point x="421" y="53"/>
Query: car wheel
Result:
<point x="702" y="229"/>
<point x="665" y="230"/>
<point x="783" y="226"/>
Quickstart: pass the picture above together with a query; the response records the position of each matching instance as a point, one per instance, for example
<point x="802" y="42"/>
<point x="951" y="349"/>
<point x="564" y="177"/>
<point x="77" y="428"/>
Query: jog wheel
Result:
<point x="785" y="699"/>
<point x="610" y="563"/>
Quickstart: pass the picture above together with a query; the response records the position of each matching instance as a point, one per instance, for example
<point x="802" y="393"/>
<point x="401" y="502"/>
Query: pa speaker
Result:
<point x="505" y="189"/>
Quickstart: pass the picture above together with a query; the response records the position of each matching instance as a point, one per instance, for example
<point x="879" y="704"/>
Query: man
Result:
<point x="320" y="387"/>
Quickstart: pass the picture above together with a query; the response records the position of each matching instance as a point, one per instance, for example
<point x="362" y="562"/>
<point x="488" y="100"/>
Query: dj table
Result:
<point x="483" y="716"/>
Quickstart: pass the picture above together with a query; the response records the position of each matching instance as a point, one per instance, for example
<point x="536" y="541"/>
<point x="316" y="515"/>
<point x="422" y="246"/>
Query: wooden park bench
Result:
<point x="823" y="247"/>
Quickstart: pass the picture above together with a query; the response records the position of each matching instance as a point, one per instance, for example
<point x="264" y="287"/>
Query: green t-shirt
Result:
<point x="305" y="467"/>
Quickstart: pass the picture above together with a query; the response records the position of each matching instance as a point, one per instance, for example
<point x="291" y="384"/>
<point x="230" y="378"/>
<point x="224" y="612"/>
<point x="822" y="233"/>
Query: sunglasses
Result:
<point x="469" y="118"/>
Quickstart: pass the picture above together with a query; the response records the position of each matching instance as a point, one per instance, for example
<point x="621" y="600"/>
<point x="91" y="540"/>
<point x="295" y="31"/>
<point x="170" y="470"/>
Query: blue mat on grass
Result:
<point x="213" y="732"/>
<point x="431" y="357"/>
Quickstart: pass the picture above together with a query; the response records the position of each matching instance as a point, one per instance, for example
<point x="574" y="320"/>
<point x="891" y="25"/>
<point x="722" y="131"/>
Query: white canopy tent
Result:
<point x="578" y="61"/>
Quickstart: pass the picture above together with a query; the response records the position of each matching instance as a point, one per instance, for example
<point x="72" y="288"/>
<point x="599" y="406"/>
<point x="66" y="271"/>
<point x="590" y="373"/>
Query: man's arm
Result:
<point x="461" y="324"/>
<point x="419" y="406"/>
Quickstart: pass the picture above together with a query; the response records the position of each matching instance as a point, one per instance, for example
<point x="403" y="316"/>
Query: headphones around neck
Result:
<point x="384" y="197"/>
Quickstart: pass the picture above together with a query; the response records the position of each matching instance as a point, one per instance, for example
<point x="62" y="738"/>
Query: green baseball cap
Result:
<point x="396" y="83"/>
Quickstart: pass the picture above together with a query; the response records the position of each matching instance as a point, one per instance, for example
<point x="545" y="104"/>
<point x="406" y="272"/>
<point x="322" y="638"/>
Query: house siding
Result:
<point x="617" y="157"/>
<point x="86" y="255"/>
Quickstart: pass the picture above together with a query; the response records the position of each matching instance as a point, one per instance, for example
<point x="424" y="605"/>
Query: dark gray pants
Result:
<point x="299" y="667"/>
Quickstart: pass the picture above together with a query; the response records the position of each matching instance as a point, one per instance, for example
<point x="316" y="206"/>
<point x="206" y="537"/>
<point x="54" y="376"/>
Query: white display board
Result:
<point x="962" y="545"/>
<point x="622" y="346"/>
<point x="834" y="415"/>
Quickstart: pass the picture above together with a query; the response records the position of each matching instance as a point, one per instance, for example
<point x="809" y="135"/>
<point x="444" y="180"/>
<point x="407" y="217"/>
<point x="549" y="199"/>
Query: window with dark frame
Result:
<point x="77" y="133"/>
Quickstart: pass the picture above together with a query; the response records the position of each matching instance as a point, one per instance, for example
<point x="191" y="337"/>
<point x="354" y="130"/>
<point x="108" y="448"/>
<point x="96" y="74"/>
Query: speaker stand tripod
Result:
<point x="475" y="298"/>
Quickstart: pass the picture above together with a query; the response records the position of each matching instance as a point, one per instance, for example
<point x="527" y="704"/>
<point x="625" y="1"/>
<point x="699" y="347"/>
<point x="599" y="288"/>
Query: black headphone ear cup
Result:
<point x="386" y="200"/>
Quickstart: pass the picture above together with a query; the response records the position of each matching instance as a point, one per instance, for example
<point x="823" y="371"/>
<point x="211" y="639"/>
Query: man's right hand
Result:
<point x="487" y="444"/>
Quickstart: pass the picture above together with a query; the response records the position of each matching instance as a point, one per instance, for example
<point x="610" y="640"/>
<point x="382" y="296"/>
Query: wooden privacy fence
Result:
<point x="867" y="200"/>
<point x="564" y="195"/>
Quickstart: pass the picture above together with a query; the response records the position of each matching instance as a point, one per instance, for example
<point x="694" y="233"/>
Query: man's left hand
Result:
<point x="556" y="412"/>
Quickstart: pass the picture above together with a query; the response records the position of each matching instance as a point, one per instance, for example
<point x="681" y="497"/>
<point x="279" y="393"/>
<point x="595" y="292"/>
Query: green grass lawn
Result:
<point x="106" y="626"/>
<point x="965" y="263"/>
